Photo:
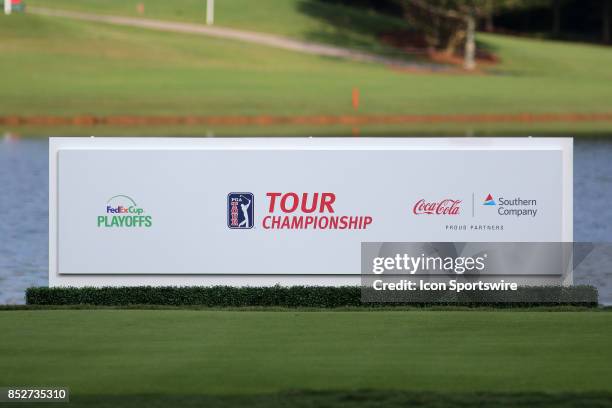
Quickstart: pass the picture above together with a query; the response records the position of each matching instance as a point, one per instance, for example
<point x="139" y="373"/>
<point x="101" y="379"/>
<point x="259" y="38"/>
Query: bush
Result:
<point x="293" y="296"/>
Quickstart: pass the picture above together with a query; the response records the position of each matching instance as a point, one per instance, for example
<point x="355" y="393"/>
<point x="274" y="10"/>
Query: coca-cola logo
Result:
<point x="443" y="207"/>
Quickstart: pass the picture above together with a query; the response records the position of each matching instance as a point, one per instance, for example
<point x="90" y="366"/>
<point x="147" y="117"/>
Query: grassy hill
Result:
<point x="54" y="66"/>
<point x="302" y="19"/>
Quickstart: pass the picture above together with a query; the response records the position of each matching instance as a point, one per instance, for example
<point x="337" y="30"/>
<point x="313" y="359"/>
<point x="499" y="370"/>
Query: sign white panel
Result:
<point x="291" y="211"/>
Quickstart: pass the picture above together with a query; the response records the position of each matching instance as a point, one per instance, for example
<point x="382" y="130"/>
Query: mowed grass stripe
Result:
<point x="130" y="352"/>
<point x="345" y="399"/>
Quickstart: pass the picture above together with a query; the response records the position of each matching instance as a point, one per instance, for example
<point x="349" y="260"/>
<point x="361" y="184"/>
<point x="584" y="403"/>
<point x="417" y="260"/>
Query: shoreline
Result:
<point x="272" y="120"/>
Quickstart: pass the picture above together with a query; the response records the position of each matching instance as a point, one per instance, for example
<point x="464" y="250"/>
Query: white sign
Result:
<point x="262" y="211"/>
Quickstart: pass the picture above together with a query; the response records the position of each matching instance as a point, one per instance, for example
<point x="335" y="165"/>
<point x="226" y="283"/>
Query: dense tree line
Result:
<point x="450" y="25"/>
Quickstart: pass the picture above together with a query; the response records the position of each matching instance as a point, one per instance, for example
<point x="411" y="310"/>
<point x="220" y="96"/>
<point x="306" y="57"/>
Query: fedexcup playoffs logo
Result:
<point x="240" y="213"/>
<point x="121" y="211"/>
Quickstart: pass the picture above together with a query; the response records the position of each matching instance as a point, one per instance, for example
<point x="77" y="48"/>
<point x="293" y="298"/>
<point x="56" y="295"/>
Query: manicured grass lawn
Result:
<point x="343" y="399"/>
<point x="53" y="66"/>
<point x="195" y="352"/>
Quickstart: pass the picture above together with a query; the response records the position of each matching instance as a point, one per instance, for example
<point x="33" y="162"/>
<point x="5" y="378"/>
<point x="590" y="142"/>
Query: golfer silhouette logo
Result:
<point x="240" y="210"/>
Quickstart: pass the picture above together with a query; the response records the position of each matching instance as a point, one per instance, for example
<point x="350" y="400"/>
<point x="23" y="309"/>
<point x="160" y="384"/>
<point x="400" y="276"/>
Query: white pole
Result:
<point x="210" y="12"/>
<point x="470" y="44"/>
<point x="7" y="6"/>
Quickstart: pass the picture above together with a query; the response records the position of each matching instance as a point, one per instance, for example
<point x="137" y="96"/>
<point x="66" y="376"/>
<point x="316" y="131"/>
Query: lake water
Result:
<point x="24" y="214"/>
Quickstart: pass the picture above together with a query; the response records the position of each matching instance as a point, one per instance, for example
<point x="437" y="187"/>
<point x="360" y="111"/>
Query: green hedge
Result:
<point x="293" y="296"/>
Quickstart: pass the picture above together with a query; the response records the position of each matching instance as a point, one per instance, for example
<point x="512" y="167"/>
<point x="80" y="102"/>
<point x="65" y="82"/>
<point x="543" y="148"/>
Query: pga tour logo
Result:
<point x="240" y="210"/>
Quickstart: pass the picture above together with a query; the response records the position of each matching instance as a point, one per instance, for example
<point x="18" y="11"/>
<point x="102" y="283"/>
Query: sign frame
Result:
<point x="57" y="144"/>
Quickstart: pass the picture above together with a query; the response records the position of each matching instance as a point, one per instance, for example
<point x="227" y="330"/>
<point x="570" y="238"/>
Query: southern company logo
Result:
<point x="515" y="207"/>
<point x="123" y="212"/>
<point x="489" y="200"/>
<point x="240" y="210"/>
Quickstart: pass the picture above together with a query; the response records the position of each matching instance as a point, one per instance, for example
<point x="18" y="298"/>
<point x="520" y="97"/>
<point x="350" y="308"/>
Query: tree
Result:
<point x="556" y="6"/>
<point x="451" y="24"/>
<point x="447" y="24"/>
<point x="606" y="21"/>
<point x="493" y="8"/>
<point x="489" y="14"/>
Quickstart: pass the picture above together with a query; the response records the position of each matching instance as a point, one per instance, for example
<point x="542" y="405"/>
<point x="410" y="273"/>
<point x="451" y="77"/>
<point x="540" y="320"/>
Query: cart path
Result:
<point x="269" y="40"/>
<point x="269" y="120"/>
